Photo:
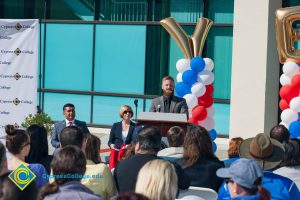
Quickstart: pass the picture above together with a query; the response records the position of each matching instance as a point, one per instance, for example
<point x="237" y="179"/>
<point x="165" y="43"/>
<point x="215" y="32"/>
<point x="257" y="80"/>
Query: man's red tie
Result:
<point x="70" y="123"/>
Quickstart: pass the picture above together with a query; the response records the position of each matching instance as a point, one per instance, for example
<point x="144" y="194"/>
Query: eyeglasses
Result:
<point x="228" y="180"/>
<point x="127" y="112"/>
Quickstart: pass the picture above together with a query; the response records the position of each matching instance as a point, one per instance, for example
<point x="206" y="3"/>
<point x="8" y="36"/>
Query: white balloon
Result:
<point x="290" y="69"/>
<point x="284" y="124"/>
<point x="208" y="123"/>
<point x="285" y="80"/>
<point x="190" y="113"/>
<point x="209" y="64"/>
<point x="198" y="89"/>
<point x="288" y="116"/>
<point x="179" y="77"/>
<point x="207" y="77"/>
<point x="295" y="104"/>
<point x="191" y="100"/>
<point x="211" y="111"/>
<point x="182" y="65"/>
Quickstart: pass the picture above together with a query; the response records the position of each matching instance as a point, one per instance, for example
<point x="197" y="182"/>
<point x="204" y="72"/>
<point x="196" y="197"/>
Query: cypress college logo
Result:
<point x="22" y="176"/>
<point x="16" y="76"/>
<point x="17" y="51"/>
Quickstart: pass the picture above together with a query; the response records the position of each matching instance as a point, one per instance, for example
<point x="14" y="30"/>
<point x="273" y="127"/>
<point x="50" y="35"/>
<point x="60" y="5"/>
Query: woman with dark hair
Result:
<point x="104" y="186"/>
<point x="68" y="167"/>
<point x="18" y="144"/>
<point x="38" y="147"/>
<point x="10" y="191"/>
<point x="199" y="160"/>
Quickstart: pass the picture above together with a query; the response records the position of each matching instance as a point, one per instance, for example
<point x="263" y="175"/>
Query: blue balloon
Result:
<point x="294" y="129"/>
<point x="189" y="77"/>
<point x="197" y="64"/>
<point x="299" y="116"/>
<point x="214" y="147"/>
<point x="182" y="89"/>
<point x="213" y="134"/>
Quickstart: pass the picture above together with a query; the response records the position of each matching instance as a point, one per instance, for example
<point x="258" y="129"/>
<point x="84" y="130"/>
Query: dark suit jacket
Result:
<point x="59" y="126"/>
<point x="127" y="170"/>
<point x="115" y="136"/>
<point x="178" y="105"/>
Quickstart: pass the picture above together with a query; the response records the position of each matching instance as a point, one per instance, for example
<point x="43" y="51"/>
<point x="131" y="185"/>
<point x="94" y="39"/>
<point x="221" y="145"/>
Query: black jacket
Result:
<point x="115" y="136"/>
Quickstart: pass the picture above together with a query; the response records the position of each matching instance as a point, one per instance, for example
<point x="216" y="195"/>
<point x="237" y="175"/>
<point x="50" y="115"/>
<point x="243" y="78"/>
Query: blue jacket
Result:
<point x="257" y="197"/>
<point x="280" y="187"/>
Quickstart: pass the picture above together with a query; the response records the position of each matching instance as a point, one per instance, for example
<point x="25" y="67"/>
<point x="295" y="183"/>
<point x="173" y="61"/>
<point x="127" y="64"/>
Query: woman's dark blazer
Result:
<point x="115" y="136"/>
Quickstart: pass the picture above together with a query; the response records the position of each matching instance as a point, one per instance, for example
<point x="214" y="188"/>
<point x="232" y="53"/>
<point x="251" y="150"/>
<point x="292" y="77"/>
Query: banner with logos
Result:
<point x="18" y="70"/>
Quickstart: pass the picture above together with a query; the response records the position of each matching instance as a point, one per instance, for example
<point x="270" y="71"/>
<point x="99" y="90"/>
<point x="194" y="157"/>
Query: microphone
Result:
<point x="158" y="108"/>
<point x="136" y="106"/>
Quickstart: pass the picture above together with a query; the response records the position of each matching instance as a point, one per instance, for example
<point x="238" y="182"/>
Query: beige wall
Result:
<point x="255" y="68"/>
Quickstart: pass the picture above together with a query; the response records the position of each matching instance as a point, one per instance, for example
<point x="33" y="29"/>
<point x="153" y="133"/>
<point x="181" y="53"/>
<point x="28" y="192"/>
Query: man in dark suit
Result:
<point x="69" y="113"/>
<point x="146" y="148"/>
<point x="168" y="103"/>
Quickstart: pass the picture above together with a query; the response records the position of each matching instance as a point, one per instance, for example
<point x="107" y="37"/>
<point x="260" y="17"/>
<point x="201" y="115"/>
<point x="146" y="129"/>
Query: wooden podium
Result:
<point x="162" y="121"/>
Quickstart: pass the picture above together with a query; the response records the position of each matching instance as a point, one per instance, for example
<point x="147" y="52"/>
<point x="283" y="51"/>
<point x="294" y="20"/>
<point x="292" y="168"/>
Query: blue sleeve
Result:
<point x="294" y="192"/>
<point x="111" y="139"/>
<point x="54" y="138"/>
<point x="223" y="193"/>
<point x="41" y="174"/>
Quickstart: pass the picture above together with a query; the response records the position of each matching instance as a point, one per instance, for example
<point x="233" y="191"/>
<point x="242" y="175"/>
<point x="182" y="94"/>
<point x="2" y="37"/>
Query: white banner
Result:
<point x="18" y="70"/>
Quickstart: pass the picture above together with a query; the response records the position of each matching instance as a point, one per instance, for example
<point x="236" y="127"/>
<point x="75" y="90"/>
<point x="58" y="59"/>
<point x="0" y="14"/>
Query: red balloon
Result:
<point x="193" y="121"/>
<point x="199" y="113"/>
<point x="283" y="104"/>
<point x="206" y="100"/>
<point x="296" y="81"/>
<point x="209" y="89"/>
<point x="288" y="92"/>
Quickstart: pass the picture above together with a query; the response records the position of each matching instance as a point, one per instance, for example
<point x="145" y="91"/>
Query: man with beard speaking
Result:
<point x="168" y="103"/>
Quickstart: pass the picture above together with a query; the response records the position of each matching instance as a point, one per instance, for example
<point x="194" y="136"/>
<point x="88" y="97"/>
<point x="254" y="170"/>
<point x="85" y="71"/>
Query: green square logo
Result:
<point x="22" y="176"/>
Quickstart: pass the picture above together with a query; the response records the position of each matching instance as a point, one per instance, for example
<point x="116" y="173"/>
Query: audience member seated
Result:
<point x="69" y="160"/>
<point x="38" y="147"/>
<point x="244" y="178"/>
<point x="146" y="148"/>
<point x="120" y="136"/>
<point x="280" y="133"/>
<point x="130" y="150"/>
<point x="199" y="160"/>
<point x="69" y="114"/>
<point x="10" y="191"/>
<point x="131" y="196"/>
<point x="18" y="144"/>
<point x="232" y="151"/>
<point x="157" y="180"/>
<point x="3" y="159"/>
<point x="175" y="136"/>
<point x="104" y="185"/>
<point x="268" y="153"/>
<point x="290" y="165"/>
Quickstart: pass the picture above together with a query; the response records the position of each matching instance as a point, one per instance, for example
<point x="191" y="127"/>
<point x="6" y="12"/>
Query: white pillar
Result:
<point x="255" y="68"/>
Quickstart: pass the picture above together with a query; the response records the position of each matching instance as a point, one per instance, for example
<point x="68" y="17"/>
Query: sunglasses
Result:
<point x="127" y="112"/>
<point x="228" y="180"/>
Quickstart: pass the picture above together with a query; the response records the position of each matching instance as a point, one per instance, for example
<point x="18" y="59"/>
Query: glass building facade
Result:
<point x="101" y="54"/>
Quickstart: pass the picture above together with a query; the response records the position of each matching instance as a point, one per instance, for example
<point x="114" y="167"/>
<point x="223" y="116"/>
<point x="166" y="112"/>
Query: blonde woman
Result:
<point x="120" y="135"/>
<point x="157" y="180"/>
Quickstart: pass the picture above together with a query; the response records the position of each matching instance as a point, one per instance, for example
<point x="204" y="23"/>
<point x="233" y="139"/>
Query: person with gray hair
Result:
<point x="3" y="160"/>
<point x="147" y="145"/>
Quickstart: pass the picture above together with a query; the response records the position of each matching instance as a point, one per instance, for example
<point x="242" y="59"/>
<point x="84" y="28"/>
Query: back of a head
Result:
<point x="16" y="139"/>
<point x="291" y="153"/>
<point x="38" y="143"/>
<point x="280" y="133"/>
<point x="175" y="136"/>
<point x="3" y="160"/>
<point x="9" y="190"/>
<point x="69" y="160"/>
<point x="197" y="144"/>
<point x="157" y="180"/>
<point x="234" y="143"/>
<point x="149" y="139"/>
<point x="71" y="135"/>
<point x="92" y="148"/>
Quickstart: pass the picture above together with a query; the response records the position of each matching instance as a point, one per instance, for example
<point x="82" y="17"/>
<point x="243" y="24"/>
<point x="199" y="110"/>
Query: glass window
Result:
<point x="120" y="58"/>
<point x="219" y="49"/>
<point x="221" y="11"/>
<point x="106" y="109"/>
<point x="69" y="56"/>
<point x="221" y="118"/>
<point x="54" y="102"/>
<point x="186" y="10"/>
